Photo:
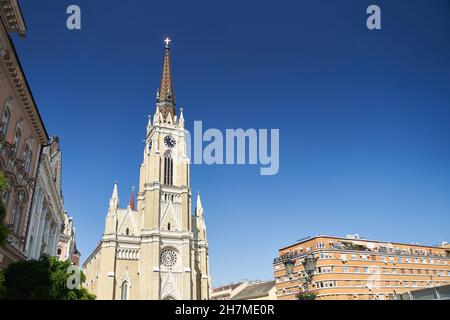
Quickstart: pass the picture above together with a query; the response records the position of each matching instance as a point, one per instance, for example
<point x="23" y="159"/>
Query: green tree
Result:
<point x="306" y="296"/>
<point x="43" y="279"/>
<point x="3" y="228"/>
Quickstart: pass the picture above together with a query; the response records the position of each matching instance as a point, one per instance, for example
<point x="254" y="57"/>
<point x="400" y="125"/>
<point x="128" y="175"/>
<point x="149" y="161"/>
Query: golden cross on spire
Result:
<point x="167" y="41"/>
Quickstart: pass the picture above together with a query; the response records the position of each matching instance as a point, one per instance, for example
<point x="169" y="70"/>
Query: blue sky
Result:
<point x="364" y="116"/>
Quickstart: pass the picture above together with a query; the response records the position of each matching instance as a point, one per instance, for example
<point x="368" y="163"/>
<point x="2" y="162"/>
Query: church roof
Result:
<point x="256" y="290"/>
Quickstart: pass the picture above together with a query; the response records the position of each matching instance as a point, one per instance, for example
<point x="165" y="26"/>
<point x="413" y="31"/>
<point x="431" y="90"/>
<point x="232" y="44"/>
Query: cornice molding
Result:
<point x="16" y="77"/>
<point x="12" y="16"/>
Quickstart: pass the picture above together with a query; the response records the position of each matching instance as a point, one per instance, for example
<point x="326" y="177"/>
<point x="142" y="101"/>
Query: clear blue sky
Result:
<point x="364" y="116"/>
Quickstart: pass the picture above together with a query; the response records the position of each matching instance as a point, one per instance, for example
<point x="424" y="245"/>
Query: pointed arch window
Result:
<point x="168" y="169"/>
<point x="5" y="120"/>
<point x="124" y="291"/>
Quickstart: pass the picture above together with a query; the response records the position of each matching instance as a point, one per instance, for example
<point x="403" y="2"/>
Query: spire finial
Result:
<point x="167" y="41"/>
<point x="199" y="207"/>
<point x="114" y="201"/>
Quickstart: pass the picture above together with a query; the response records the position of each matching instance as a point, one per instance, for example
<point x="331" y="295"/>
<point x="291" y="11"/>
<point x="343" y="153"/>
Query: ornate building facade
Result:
<point x="67" y="246"/>
<point x="156" y="249"/>
<point x="22" y="135"/>
<point x="47" y="212"/>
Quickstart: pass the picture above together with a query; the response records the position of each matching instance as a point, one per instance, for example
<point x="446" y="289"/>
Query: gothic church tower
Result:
<point x="156" y="249"/>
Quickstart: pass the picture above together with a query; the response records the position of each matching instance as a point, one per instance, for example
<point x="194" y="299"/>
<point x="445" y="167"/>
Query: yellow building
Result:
<point x="353" y="268"/>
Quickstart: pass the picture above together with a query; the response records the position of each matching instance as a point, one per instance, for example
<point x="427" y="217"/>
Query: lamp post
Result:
<point x="289" y="264"/>
<point x="309" y="264"/>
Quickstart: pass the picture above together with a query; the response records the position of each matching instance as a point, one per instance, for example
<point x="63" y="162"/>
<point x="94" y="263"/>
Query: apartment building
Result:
<point x="349" y="268"/>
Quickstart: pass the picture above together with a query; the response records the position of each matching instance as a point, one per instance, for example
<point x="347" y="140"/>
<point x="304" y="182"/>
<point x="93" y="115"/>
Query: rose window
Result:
<point x="168" y="258"/>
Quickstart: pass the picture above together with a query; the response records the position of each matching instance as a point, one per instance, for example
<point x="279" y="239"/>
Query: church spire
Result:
<point x="199" y="207"/>
<point x="166" y="94"/>
<point x="114" y="201"/>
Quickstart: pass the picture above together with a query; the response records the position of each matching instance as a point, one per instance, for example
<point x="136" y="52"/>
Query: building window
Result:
<point x="354" y="257"/>
<point x="5" y="199"/>
<point x="5" y="120"/>
<point x="127" y="232"/>
<point x="16" y="217"/>
<point x="320" y="245"/>
<point x="168" y="170"/>
<point x="366" y="270"/>
<point x="17" y="137"/>
<point x="124" y="291"/>
<point x="345" y="269"/>
<point x="27" y="156"/>
<point x="356" y="270"/>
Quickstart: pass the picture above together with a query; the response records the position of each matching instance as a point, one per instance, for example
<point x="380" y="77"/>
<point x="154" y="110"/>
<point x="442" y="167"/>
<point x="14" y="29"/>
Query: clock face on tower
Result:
<point x="169" y="141"/>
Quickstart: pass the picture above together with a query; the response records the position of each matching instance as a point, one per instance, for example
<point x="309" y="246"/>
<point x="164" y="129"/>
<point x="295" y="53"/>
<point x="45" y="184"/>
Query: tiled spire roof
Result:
<point x="166" y="92"/>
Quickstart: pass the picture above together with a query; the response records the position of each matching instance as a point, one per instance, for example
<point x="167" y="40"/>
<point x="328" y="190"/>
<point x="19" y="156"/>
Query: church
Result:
<point x="155" y="249"/>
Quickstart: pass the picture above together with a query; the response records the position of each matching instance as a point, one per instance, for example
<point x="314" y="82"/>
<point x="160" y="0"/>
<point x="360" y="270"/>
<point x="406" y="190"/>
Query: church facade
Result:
<point x="155" y="248"/>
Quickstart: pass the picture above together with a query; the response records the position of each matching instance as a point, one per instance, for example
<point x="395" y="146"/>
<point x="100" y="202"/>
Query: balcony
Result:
<point x="365" y="247"/>
<point x="14" y="165"/>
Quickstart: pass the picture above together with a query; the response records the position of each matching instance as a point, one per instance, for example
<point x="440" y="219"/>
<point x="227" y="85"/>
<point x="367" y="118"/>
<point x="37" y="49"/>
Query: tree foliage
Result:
<point x="43" y="279"/>
<point x="306" y="296"/>
<point x="3" y="228"/>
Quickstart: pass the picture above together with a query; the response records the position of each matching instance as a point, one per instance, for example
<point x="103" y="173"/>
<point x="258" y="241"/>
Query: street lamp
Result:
<point x="289" y="264"/>
<point x="309" y="264"/>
